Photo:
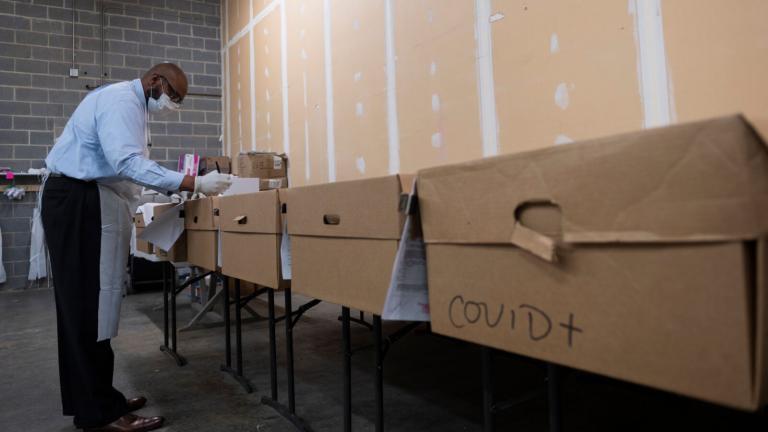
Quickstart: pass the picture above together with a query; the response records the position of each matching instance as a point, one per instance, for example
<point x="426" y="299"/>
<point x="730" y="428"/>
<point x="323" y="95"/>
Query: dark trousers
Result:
<point x="71" y="218"/>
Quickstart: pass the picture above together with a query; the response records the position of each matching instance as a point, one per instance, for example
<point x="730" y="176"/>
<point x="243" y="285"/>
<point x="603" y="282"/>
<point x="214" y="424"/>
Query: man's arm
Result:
<point x="120" y="127"/>
<point x="188" y="184"/>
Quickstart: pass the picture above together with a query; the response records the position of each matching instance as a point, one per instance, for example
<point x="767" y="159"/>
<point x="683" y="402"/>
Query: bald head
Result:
<point x="174" y="77"/>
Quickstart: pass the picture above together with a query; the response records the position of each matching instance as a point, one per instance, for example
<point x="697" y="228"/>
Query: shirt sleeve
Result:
<point x="120" y="126"/>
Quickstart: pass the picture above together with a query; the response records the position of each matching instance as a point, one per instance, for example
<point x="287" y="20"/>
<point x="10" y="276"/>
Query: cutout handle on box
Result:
<point x="241" y="220"/>
<point x="215" y="212"/>
<point x="194" y="219"/>
<point x="330" y="219"/>
<point x="541" y="245"/>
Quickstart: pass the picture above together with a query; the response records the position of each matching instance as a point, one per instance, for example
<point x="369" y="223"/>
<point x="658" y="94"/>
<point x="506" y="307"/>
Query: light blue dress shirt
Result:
<point x="105" y="140"/>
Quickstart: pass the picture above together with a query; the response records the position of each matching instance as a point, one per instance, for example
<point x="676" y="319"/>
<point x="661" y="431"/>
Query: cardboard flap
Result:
<point x="198" y="214"/>
<point x="536" y="243"/>
<point x="703" y="181"/>
<point x="366" y="208"/>
<point x="254" y="213"/>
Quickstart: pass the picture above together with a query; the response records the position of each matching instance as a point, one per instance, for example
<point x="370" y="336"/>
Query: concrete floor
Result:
<point x="432" y="383"/>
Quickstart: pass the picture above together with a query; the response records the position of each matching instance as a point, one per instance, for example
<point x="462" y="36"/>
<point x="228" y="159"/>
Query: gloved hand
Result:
<point x="212" y="183"/>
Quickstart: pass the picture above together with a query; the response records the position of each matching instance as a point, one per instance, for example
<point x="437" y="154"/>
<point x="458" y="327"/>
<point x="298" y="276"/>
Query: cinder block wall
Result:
<point x="37" y="96"/>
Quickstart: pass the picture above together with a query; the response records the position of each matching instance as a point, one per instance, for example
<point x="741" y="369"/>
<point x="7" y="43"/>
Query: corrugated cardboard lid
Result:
<point x="256" y="212"/>
<point x="368" y="208"/>
<point x="703" y="181"/>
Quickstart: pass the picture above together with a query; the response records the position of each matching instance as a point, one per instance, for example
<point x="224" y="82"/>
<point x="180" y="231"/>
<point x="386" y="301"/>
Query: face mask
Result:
<point x="162" y="105"/>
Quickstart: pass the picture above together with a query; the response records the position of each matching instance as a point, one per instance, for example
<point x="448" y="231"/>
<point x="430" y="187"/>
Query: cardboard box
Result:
<point x="251" y="232"/>
<point x="177" y="253"/>
<point x="344" y="238"/>
<point x="141" y="245"/>
<point x="208" y="164"/>
<point x="262" y="165"/>
<point x="642" y="257"/>
<point x="201" y="228"/>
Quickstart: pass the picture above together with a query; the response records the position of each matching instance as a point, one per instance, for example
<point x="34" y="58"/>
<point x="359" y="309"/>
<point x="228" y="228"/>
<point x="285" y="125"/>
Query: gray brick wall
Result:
<point x="37" y="96"/>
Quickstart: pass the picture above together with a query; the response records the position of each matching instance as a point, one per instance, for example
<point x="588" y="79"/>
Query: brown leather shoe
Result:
<point x="136" y="403"/>
<point x="131" y="423"/>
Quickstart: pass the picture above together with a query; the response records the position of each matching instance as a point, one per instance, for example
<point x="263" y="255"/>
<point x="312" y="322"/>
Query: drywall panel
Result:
<point x="306" y="92"/>
<point x="359" y="88"/>
<point x="268" y="83"/>
<point x="716" y="52"/>
<point x="437" y="102"/>
<point x="239" y="55"/>
<point x="238" y="15"/>
<point x="563" y="70"/>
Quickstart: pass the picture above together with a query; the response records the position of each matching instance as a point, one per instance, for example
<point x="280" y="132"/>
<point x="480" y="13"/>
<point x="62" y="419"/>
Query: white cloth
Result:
<point x="37" y="255"/>
<point x="2" y="269"/>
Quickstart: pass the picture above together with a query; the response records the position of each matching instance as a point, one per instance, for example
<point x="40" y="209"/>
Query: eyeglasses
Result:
<point x="175" y="97"/>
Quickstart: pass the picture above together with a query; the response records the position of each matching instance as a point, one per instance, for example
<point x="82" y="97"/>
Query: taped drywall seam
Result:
<point x="284" y="74"/>
<point x="393" y="131"/>
<point x="307" y="163"/>
<point x="226" y="142"/>
<point x="255" y="20"/>
<point x="652" y="71"/>
<point x="252" y="76"/>
<point x="485" y="86"/>
<point x="239" y="102"/>
<point x="330" y="138"/>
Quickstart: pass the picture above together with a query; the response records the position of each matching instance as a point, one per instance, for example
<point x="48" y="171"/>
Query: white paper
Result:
<point x="242" y="185"/>
<point x="285" y="253"/>
<point x="408" y="297"/>
<point x="165" y="229"/>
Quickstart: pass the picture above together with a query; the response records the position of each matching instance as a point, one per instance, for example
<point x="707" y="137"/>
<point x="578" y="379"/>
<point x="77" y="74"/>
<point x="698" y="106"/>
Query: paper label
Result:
<point x="285" y="254"/>
<point x="408" y="296"/>
<point x="275" y="183"/>
<point x="278" y="162"/>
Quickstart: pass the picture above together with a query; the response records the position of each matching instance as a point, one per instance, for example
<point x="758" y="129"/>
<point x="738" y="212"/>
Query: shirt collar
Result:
<point x="138" y="89"/>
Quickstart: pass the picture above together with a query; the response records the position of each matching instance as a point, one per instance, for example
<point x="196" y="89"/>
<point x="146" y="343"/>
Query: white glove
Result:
<point x="212" y="183"/>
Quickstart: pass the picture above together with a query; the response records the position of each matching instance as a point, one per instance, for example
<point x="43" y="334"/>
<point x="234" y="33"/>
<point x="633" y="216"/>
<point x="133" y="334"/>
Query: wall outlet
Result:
<point x="74" y="73"/>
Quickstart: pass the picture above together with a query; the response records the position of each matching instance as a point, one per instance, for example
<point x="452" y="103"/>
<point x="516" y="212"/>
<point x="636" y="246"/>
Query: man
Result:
<point x="88" y="200"/>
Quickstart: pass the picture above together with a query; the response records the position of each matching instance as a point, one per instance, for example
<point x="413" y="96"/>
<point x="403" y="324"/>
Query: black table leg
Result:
<point x="165" y="308"/>
<point x="289" y="351"/>
<point x="553" y="397"/>
<point x="238" y="331"/>
<point x="379" y="373"/>
<point x="487" y="382"/>
<point x="169" y="289"/>
<point x="237" y="372"/>
<point x="272" y="346"/>
<point x="289" y="412"/>
<point x="227" y="326"/>
<point x="347" y="372"/>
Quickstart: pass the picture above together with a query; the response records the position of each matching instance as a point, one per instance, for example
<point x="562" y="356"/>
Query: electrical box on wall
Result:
<point x="74" y="73"/>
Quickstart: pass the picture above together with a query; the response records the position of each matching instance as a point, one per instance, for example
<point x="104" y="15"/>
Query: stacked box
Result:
<point x="201" y="228"/>
<point x="251" y="233"/>
<point x="344" y="239"/>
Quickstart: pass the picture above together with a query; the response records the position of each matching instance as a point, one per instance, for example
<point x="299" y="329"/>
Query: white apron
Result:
<point x="119" y="201"/>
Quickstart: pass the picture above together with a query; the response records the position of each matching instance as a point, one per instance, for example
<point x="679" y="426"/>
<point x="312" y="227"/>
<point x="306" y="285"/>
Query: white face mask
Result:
<point x="162" y="105"/>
